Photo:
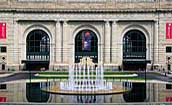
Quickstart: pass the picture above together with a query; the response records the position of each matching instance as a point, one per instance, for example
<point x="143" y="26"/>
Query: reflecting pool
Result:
<point x="32" y="92"/>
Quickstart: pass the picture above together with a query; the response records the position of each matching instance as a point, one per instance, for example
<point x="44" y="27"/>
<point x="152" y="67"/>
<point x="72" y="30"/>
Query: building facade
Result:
<point x="51" y="34"/>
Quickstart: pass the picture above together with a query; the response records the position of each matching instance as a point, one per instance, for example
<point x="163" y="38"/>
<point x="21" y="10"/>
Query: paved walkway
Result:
<point x="16" y="76"/>
<point x="5" y="75"/>
<point x="155" y="76"/>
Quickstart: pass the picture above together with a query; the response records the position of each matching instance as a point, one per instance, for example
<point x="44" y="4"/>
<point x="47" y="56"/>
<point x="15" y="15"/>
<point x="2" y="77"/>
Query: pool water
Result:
<point x="32" y="92"/>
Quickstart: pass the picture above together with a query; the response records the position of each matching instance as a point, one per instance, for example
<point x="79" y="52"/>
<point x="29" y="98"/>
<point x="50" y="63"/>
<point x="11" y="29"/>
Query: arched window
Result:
<point x="3" y="67"/>
<point x="86" y="44"/>
<point x="44" y="44"/>
<point x="134" y="45"/>
<point x="38" y="45"/>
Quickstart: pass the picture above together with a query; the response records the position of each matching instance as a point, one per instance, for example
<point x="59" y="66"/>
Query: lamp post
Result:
<point x="146" y="65"/>
<point x="145" y="76"/>
<point x="30" y="76"/>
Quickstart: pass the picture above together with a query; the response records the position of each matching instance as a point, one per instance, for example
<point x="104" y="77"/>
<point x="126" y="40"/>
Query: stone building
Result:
<point x="51" y="34"/>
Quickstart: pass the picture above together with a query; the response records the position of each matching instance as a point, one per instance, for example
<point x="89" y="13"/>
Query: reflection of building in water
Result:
<point x="159" y="92"/>
<point x="3" y="87"/>
<point x="20" y="92"/>
<point x="14" y="92"/>
<point x="87" y="98"/>
<point x="137" y="93"/>
<point x="34" y="93"/>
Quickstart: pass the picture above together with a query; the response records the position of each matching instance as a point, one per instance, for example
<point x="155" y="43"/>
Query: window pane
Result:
<point x="3" y="66"/>
<point x="38" y="44"/>
<point x="3" y="49"/>
<point x="168" y="49"/>
<point x="3" y="86"/>
<point x="134" y="45"/>
<point x="168" y="86"/>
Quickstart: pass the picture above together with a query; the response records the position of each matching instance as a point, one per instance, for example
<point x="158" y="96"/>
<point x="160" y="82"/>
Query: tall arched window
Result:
<point x="38" y="45"/>
<point x="134" y="45"/>
<point x="86" y="44"/>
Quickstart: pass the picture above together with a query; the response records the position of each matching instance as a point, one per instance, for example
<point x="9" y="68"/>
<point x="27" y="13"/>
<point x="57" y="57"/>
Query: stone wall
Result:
<point x="62" y="19"/>
<point x="83" y="4"/>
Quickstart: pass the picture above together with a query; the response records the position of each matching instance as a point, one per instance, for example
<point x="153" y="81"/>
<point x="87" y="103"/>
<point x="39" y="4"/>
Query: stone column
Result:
<point x="58" y="44"/>
<point x="150" y="47"/>
<point x="118" y="39"/>
<point x="15" y="45"/>
<point x="53" y="47"/>
<point x="15" y="39"/>
<point x="52" y="54"/>
<point x="156" y="44"/>
<point x="22" y="44"/>
<point x="107" y="41"/>
<point x="115" y="41"/>
<point x="65" y="49"/>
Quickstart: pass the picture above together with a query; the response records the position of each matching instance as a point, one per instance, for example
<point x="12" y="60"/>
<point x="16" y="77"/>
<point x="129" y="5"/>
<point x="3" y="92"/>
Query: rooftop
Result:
<point x="86" y="5"/>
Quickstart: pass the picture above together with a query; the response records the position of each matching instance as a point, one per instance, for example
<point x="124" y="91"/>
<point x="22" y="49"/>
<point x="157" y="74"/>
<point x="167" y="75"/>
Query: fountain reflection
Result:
<point x="87" y="98"/>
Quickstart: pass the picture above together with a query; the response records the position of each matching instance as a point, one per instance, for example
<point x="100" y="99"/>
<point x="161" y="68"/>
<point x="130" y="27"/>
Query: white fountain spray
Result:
<point x="83" y="78"/>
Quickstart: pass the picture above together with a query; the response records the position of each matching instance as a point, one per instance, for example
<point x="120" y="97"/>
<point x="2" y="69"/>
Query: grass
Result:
<point x="108" y="75"/>
<point x="53" y="72"/>
<point x="66" y="73"/>
<point x="109" y="78"/>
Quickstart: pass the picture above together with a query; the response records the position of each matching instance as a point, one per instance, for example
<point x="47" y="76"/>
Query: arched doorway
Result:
<point x="86" y="44"/>
<point x="37" y="50"/>
<point x="134" y="50"/>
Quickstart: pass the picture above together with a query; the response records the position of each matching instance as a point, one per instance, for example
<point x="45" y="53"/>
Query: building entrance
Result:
<point x="37" y="50"/>
<point x="86" y="45"/>
<point x="134" y="50"/>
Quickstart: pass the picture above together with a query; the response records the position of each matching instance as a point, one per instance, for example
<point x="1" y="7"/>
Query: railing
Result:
<point x="38" y="56"/>
<point x="137" y="55"/>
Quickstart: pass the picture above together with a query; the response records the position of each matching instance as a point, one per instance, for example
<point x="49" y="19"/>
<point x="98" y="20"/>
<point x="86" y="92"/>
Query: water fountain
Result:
<point x="86" y="76"/>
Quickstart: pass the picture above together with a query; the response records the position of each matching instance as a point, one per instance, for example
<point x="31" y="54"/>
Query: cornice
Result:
<point x="38" y="10"/>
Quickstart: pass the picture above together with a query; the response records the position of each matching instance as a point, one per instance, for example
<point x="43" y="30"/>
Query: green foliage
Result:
<point x="66" y="73"/>
<point x="12" y="70"/>
<point x="108" y="75"/>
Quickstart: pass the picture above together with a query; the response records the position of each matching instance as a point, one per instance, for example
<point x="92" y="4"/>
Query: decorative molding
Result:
<point x="81" y="10"/>
<point x="136" y="21"/>
<point x="27" y="20"/>
<point x="91" y="1"/>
